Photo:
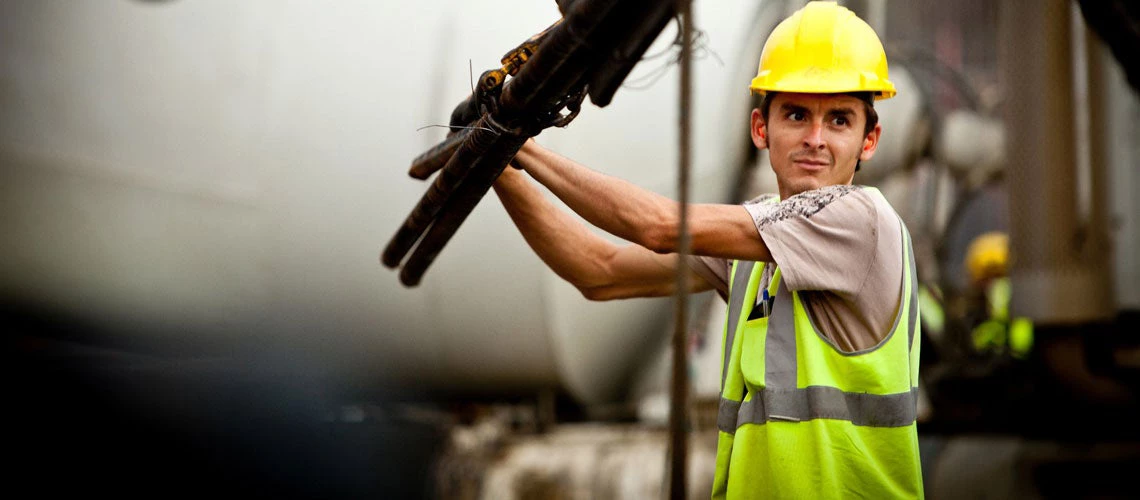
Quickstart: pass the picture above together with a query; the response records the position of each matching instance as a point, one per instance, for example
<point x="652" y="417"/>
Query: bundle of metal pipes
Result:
<point x="590" y="51"/>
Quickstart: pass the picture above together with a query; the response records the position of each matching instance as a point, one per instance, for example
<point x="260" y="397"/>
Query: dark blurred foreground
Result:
<point x="86" y="415"/>
<point x="89" y="412"/>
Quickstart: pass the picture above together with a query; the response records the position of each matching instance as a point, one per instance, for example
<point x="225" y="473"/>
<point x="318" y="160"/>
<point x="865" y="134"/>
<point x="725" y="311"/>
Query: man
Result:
<point x="987" y="260"/>
<point x="821" y="354"/>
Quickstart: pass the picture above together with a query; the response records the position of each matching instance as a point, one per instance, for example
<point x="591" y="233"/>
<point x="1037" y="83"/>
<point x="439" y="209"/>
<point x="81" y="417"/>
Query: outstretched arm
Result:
<point x="642" y="216"/>
<point x="600" y="269"/>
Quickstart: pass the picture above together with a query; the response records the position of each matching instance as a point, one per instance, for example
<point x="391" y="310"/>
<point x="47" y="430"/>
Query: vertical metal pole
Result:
<point x="1098" y="247"/>
<point x="679" y="400"/>
<point x="874" y="12"/>
<point x="877" y="16"/>
<point x="1052" y="283"/>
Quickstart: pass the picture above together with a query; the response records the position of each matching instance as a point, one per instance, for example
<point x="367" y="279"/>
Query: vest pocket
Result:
<point x="752" y="352"/>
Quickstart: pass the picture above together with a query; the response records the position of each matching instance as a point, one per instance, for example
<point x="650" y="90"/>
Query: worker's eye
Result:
<point x="796" y="116"/>
<point x="840" y="121"/>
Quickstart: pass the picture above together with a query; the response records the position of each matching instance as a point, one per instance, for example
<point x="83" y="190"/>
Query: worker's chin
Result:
<point x="803" y="184"/>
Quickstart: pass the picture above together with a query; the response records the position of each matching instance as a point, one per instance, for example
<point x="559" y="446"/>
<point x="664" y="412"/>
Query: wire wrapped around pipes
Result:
<point x="437" y="157"/>
<point x="476" y="142"/>
<point x="464" y="114"/>
<point x="459" y="205"/>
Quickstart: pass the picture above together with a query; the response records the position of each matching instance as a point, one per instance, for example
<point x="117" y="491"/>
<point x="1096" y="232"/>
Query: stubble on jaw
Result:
<point x="803" y="183"/>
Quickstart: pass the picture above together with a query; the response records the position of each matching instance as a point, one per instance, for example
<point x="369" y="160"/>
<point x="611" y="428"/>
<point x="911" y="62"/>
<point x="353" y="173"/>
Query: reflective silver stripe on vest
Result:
<point x="726" y="413"/>
<point x="780" y="342"/>
<point x="736" y="294"/>
<point x="909" y="248"/>
<point x="820" y="402"/>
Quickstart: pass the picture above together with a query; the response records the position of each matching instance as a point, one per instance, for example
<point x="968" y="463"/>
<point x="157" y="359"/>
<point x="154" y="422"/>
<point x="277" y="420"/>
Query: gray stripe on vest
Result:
<point x="913" y="289"/>
<point x="908" y="247"/>
<point x="780" y="343"/>
<point x="726" y="415"/>
<point x="820" y="402"/>
<point x="736" y="295"/>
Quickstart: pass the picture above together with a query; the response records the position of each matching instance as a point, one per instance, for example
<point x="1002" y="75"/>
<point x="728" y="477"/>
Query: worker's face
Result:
<point x="814" y="140"/>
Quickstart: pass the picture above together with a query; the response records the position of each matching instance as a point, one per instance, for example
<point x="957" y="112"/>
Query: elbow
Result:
<point x="599" y="289"/>
<point x="655" y="227"/>
<point x="598" y="283"/>
<point x="609" y="292"/>
<point x="662" y="237"/>
<point x="597" y="293"/>
<point x="604" y="293"/>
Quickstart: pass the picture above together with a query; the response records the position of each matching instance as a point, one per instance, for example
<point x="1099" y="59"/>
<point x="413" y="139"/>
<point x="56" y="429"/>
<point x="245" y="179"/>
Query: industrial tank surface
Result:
<point x="207" y="171"/>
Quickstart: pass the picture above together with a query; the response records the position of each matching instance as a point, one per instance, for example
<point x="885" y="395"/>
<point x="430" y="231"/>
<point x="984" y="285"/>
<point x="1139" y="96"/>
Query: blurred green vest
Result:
<point x="999" y="333"/>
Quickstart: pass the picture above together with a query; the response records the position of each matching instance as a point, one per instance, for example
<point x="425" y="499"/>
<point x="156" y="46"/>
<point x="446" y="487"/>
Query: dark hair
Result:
<point x="868" y="99"/>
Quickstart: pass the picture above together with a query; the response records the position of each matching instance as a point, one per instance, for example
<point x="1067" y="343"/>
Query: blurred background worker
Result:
<point x="996" y="333"/>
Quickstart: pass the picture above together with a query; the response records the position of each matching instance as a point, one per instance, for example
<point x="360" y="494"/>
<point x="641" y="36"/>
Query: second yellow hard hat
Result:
<point x="988" y="256"/>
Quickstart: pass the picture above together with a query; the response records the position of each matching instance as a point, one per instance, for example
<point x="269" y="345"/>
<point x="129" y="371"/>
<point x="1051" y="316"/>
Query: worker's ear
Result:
<point x="759" y="130"/>
<point x="871" y="143"/>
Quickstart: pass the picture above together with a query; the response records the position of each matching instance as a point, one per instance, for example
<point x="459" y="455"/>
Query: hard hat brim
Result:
<point x="824" y="81"/>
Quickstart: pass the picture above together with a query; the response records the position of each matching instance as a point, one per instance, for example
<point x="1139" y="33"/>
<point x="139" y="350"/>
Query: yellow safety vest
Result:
<point x="800" y="419"/>
<point x="1000" y="333"/>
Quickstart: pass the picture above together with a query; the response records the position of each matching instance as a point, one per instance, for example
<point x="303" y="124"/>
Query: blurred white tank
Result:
<point x="212" y="168"/>
<point x="233" y="169"/>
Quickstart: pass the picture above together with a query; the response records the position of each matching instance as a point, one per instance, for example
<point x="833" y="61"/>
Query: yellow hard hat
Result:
<point x="988" y="256"/>
<point x="823" y="49"/>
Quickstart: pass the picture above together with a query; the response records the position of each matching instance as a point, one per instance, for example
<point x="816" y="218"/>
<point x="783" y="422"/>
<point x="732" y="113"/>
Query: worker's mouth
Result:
<point x="811" y="164"/>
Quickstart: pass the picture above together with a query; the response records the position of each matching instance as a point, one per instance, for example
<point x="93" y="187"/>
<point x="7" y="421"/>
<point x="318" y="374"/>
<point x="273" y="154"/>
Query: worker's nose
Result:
<point x="814" y="137"/>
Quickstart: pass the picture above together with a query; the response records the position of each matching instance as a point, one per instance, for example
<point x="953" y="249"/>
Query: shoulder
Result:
<point x="714" y="270"/>
<point x="861" y="295"/>
<point x="868" y="207"/>
<point x="844" y="200"/>
<point x="764" y="199"/>
<point x="830" y="238"/>
<point x="890" y="225"/>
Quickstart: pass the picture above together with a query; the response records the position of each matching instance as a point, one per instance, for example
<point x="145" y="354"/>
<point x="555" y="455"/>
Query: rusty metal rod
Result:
<point x="430" y="161"/>
<point x="568" y="53"/>
<point x="679" y="400"/>
<point x="449" y="178"/>
<point x="559" y="63"/>
<point x="456" y="209"/>
<point x="437" y="157"/>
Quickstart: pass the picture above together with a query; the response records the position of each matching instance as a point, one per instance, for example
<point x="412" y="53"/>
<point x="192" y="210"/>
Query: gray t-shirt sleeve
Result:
<point x="715" y="270"/>
<point x="841" y="247"/>
<point x="824" y="239"/>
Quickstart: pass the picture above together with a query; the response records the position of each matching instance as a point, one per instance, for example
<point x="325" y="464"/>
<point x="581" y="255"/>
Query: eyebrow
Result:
<point x="844" y="112"/>
<point x="786" y="108"/>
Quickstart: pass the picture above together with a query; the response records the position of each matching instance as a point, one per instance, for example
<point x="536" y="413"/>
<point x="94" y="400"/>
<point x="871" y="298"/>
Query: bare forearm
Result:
<point x="612" y="204"/>
<point x="642" y="216"/>
<point x="564" y="244"/>
<point x="599" y="269"/>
